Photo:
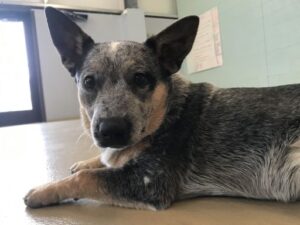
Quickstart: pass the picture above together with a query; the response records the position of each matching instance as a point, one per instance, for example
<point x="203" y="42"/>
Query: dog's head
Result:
<point x="122" y="86"/>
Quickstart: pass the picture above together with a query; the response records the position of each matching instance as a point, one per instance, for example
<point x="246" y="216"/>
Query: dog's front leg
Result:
<point x="80" y="185"/>
<point x="128" y="188"/>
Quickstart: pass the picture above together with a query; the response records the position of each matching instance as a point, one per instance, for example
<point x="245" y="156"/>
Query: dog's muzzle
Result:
<point x="113" y="132"/>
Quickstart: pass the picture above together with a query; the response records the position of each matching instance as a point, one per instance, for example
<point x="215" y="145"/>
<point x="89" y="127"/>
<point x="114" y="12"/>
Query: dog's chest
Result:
<point x="115" y="158"/>
<point x="107" y="155"/>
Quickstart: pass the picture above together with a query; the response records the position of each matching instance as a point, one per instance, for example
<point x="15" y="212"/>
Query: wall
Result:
<point x="104" y="4"/>
<point x="133" y="25"/>
<point x="260" y="41"/>
<point x="165" y="7"/>
<point x="59" y="89"/>
<point x="155" y="25"/>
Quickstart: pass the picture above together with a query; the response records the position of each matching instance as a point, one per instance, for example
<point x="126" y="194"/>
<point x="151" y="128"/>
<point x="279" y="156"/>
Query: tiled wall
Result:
<point x="260" y="41"/>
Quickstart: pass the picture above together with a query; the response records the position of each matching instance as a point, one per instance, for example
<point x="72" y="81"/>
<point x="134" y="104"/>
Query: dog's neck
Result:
<point x="116" y="158"/>
<point x="177" y="97"/>
<point x="186" y="104"/>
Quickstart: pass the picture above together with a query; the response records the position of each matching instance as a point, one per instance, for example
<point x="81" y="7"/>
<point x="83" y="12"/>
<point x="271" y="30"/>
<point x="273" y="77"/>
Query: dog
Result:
<point x="164" y="139"/>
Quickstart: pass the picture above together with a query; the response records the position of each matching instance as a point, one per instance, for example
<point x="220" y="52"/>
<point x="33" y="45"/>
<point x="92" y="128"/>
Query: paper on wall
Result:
<point x="206" y="52"/>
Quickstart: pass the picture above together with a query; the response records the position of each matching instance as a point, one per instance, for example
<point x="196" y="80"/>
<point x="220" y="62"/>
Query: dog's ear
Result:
<point x="173" y="44"/>
<point x="71" y="42"/>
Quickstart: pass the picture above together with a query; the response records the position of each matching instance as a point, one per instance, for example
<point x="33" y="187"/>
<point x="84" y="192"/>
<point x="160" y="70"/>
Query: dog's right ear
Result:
<point x="71" y="42"/>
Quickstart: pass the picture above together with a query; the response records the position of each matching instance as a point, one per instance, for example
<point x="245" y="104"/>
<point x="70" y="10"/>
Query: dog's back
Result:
<point x="245" y="143"/>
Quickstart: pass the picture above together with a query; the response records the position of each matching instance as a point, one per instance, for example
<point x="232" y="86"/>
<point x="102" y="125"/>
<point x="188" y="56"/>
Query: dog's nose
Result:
<point x="113" y="132"/>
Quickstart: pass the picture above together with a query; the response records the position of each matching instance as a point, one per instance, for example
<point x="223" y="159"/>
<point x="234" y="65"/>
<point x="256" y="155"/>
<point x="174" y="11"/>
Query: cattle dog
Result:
<point x="163" y="139"/>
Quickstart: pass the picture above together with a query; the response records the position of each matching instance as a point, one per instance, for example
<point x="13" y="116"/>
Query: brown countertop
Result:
<point x="31" y="155"/>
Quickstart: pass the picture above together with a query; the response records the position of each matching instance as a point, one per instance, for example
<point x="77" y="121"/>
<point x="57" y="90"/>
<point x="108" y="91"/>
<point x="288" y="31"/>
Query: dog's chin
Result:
<point x="116" y="147"/>
<point x="110" y="146"/>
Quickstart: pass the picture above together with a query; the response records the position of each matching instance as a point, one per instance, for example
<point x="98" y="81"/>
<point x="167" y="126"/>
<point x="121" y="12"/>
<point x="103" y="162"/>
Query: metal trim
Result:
<point x="65" y="7"/>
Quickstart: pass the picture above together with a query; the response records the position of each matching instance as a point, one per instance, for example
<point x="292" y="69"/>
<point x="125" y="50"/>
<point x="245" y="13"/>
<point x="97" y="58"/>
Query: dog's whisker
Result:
<point x="80" y="137"/>
<point x="92" y="146"/>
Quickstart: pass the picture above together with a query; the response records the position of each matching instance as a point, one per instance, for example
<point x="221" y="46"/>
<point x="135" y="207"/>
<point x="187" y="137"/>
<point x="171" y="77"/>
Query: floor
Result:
<point x="34" y="154"/>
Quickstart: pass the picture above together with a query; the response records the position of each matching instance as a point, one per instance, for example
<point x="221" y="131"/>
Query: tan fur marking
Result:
<point x="120" y="158"/>
<point x="159" y="108"/>
<point x="294" y="155"/>
<point x="84" y="184"/>
<point x="86" y="123"/>
<point x="85" y="120"/>
<point x="296" y="144"/>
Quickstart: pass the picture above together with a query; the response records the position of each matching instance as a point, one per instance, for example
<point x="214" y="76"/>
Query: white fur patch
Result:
<point x="106" y="155"/>
<point x="146" y="180"/>
<point x="114" y="46"/>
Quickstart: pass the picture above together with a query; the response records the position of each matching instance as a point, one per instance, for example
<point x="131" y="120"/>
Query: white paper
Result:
<point x="206" y="52"/>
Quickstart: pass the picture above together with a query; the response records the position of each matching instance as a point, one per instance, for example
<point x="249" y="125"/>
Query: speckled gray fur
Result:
<point x="114" y="97"/>
<point x="213" y="141"/>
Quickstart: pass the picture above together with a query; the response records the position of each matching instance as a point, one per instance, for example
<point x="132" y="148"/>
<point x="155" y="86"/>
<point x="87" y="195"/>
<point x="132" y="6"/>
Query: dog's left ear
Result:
<point x="174" y="43"/>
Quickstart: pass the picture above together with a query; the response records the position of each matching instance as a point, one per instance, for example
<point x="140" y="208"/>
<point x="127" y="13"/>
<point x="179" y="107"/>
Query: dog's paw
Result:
<point x="81" y="165"/>
<point x="41" y="196"/>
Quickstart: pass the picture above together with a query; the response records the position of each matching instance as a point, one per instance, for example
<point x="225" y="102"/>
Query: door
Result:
<point x="21" y="99"/>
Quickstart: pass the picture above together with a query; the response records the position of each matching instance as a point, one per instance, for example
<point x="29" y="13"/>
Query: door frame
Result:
<point x="37" y="114"/>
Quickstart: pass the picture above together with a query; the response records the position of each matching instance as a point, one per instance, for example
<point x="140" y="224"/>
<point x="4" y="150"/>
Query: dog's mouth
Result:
<point x="108" y="143"/>
<point x="117" y="140"/>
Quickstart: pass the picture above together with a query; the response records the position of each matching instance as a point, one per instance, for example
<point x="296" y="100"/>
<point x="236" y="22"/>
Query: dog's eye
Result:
<point x="89" y="82"/>
<point x="141" y="80"/>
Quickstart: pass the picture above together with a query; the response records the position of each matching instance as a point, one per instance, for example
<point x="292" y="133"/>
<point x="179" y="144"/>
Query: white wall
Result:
<point x="133" y="25"/>
<point x="155" y="25"/>
<point x="165" y="7"/>
<point x="100" y="4"/>
<point x="59" y="89"/>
